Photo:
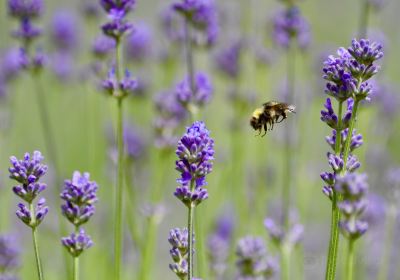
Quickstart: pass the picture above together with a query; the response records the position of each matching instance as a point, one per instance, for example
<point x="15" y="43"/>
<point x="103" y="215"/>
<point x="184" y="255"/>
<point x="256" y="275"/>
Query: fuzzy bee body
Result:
<point x="270" y="113"/>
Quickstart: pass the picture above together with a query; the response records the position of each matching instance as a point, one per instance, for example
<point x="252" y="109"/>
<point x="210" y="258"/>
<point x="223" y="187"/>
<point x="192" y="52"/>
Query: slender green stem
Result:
<point x="285" y="262"/>
<point x="364" y="18"/>
<point x="118" y="230"/>
<point x="76" y="260"/>
<point x="389" y="235"/>
<point x="335" y="218"/>
<point x="350" y="260"/>
<point x="36" y="244"/>
<point x="190" y="236"/>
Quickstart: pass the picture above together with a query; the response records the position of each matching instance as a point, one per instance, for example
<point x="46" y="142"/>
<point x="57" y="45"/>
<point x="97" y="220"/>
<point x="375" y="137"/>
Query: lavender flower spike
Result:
<point x="77" y="243"/>
<point x="79" y="195"/>
<point x="180" y="249"/>
<point x="196" y="153"/>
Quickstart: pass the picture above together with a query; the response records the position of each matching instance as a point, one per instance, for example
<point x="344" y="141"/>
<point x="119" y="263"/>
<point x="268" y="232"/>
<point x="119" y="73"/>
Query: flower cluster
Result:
<point x="117" y="26"/>
<point x="79" y="195"/>
<point x="27" y="172"/>
<point x="253" y="261"/>
<point x="113" y="87"/>
<point x="25" y="11"/>
<point x="347" y="75"/>
<point x="202" y="16"/>
<point x="281" y="238"/>
<point x="289" y="25"/>
<point x="179" y="241"/>
<point x="195" y="152"/>
<point x="171" y="115"/>
<point x="353" y="188"/>
<point x="200" y="95"/>
<point x="228" y="60"/>
<point x="219" y="243"/>
<point x="9" y="257"/>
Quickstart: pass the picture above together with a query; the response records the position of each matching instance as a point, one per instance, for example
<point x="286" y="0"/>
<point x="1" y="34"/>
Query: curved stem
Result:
<point x="36" y="244"/>
<point x="350" y="260"/>
<point x="118" y="230"/>
<point x="335" y="217"/>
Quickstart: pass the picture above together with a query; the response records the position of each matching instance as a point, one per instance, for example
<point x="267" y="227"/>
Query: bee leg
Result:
<point x="259" y="131"/>
<point x="265" y="129"/>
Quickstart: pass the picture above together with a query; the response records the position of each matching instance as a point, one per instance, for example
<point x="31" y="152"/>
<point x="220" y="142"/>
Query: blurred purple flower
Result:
<point x="119" y="89"/>
<point x="253" y="261"/>
<point x="290" y="25"/>
<point x="79" y="195"/>
<point x="25" y="9"/>
<point x="64" y="30"/>
<point x="134" y="142"/>
<point x="228" y="60"/>
<point x="90" y="9"/>
<point x="219" y="243"/>
<point x="119" y="5"/>
<point x="102" y="46"/>
<point x="139" y="43"/>
<point x="203" y="90"/>
<point x="11" y="64"/>
<point x="27" y="31"/>
<point x="353" y="188"/>
<point x="77" y="243"/>
<point x="195" y="152"/>
<point x="117" y="26"/>
<point x="9" y="254"/>
<point x="62" y="64"/>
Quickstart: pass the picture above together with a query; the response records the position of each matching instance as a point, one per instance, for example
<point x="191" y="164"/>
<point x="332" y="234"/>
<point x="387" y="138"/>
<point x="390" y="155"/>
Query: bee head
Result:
<point x="291" y="109"/>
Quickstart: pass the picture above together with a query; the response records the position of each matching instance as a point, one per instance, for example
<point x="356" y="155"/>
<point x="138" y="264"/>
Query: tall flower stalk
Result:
<point x="27" y="172"/>
<point x="347" y="75"/>
<point x="118" y="86"/>
<point x="291" y="32"/>
<point x="79" y="196"/>
<point x="33" y="60"/>
<point x="195" y="153"/>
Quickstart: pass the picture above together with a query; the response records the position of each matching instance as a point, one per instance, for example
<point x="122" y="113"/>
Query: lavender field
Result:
<point x="199" y="139"/>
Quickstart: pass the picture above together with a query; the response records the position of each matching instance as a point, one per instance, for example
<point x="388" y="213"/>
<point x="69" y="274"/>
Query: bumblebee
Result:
<point x="270" y="113"/>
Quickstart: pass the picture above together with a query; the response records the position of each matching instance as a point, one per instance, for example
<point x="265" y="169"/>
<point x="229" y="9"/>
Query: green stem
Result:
<point x="285" y="262"/>
<point x="364" y="18"/>
<point x="190" y="235"/>
<point x="390" y="230"/>
<point x="335" y="217"/>
<point x="118" y="229"/>
<point x="35" y="243"/>
<point x="350" y="260"/>
<point x="76" y="260"/>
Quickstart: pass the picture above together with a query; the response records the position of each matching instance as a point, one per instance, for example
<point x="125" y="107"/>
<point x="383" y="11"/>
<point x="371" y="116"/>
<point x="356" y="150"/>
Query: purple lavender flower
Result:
<point x="27" y="31"/>
<point x="196" y="153"/>
<point x="219" y="243"/>
<point x="27" y="172"/>
<point x="171" y="115"/>
<point x="11" y="64"/>
<point x="201" y="95"/>
<point x="290" y="25"/>
<point x="77" y="243"/>
<point x="179" y="241"/>
<point x="117" y="26"/>
<point x="139" y="43"/>
<point x="253" y="261"/>
<point x="280" y="237"/>
<point x="26" y="216"/>
<point x="9" y="254"/>
<point x="102" y="46"/>
<point x="79" y="195"/>
<point x="119" y="5"/>
<point x="119" y="89"/>
<point x="23" y="9"/>
<point x="202" y="15"/>
<point x="227" y="60"/>
<point x="64" y="30"/>
<point x="353" y="188"/>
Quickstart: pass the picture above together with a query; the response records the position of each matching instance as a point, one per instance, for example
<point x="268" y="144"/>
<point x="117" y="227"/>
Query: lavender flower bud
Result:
<point x="117" y="27"/>
<point x="119" y="89"/>
<point x="79" y="195"/>
<point x="290" y="25"/>
<point x="179" y="241"/>
<point x="365" y="52"/>
<point x="26" y="216"/>
<point x="76" y="244"/>
<point x="336" y="162"/>
<point x="253" y="261"/>
<point x="329" y="116"/>
<point x="202" y="92"/>
<point x="25" y="9"/>
<point x="119" y="5"/>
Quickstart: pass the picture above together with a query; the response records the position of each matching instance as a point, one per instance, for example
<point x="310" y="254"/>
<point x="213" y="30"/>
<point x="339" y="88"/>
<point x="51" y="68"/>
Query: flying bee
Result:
<point x="270" y="113"/>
